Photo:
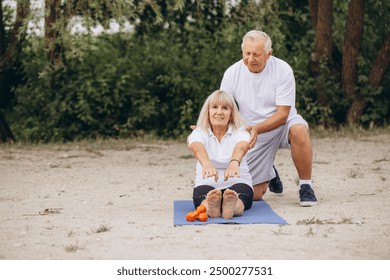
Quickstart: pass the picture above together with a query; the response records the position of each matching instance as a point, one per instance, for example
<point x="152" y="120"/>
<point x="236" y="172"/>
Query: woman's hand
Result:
<point x="210" y="171"/>
<point x="233" y="170"/>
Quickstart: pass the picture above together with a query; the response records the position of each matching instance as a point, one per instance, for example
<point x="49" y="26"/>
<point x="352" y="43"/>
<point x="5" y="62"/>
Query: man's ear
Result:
<point x="270" y="53"/>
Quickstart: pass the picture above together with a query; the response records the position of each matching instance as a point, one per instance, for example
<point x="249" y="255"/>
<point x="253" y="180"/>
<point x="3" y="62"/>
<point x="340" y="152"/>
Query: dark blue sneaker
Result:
<point x="276" y="185"/>
<point x="307" y="196"/>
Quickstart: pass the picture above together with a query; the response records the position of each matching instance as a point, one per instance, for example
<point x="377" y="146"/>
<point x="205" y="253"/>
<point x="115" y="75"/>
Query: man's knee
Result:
<point x="299" y="134"/>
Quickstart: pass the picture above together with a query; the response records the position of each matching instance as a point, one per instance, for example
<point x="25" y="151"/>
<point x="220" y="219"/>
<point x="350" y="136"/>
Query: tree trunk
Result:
<point x="6" y="135"/>
<point x="324" y="40"/>
<point x="352" y="43"/>
<point x="381" y="63"/>
<point x="376" y="75"/>
<point x="52" y="12"/>
<point x="2" y="30"/>
<point x="22" y="11"/>
<point x="322" y="13"/>
<point x="313" y="6"/>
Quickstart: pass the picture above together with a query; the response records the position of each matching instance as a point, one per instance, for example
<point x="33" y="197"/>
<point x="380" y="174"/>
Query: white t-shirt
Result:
<point x="257" y="94"/>
<point x="220" y="154"/>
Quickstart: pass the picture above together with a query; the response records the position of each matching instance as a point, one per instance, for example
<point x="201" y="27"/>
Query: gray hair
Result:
<point x="223" y="97"/>
<point x="256" y="36"/>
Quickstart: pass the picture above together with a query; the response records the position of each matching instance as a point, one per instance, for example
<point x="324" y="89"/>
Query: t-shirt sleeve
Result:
<point x="227" y="82"/>
<point x="285" y="92"/>
<point x="242" y="135"/>
<point x="197" y="135"/>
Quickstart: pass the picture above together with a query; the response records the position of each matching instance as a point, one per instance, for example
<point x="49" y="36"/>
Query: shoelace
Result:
<point x="306" y="193"/>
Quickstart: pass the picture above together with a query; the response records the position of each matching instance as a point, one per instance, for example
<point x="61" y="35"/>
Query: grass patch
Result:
<point x="354" y="132"/>
<point x="280" y="231"/>
<point x="94" y="146"/>
<point x="135" y="141"/>
<point x="186" y="156"/>
<point x="381" y="160"/>
<point x="354" y="173"/>
<point x="314" y="221"/>
<point x="103" y="228"/>
<point x="72" y="248"/>
<point x="310" y="232"/>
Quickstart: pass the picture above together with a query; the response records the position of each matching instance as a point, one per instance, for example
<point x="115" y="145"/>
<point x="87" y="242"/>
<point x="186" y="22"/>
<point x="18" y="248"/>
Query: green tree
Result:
<point x="154" y="75"/>
<point x="153" y="79"/>
<point x="9" y="46"/>
<point x="359" y="86"/>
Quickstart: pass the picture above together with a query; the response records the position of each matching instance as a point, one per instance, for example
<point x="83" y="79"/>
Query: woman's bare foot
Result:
<point x="229" y="203"/>
<point x="213" y="200"/>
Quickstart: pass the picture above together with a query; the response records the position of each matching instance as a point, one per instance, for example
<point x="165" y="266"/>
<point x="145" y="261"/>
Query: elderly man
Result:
<point x="264" y="88"/>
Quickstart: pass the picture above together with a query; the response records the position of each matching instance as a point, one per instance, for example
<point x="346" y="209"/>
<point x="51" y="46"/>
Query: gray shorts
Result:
<point x="261" y="157"/>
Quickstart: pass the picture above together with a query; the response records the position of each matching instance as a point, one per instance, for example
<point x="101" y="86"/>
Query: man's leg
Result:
<point x="260" y="160"/>
<point x="301" y="150"/>
<point x="276" y="185"/>
<point x="302" y="155"/>
<point x="259" y="190"/>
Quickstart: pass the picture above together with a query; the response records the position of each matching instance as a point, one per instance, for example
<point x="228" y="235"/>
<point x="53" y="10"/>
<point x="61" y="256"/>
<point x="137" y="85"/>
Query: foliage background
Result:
<point x="154" y="78"/>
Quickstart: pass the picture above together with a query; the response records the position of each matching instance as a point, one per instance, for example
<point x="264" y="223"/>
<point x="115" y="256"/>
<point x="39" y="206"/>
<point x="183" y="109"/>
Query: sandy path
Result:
<point x="114" y="200"/>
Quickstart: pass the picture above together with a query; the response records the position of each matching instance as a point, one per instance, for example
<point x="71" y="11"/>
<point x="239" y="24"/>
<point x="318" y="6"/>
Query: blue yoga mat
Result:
<point x="259" y="213"/>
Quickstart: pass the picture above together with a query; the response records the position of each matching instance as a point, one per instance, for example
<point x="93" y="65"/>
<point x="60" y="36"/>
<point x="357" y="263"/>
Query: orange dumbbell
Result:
<point x="191" y="216"/>
<point x="203" y="217"/>
<point x="201" y="209"/>
<point x="198" y="214"/>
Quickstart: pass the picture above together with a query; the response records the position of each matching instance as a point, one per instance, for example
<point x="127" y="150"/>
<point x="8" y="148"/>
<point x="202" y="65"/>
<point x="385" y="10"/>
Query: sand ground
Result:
<point x="110" y="200"/>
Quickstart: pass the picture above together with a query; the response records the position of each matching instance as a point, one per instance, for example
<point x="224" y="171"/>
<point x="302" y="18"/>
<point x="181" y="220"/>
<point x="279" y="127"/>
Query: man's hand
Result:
<point x="253" y="138"/>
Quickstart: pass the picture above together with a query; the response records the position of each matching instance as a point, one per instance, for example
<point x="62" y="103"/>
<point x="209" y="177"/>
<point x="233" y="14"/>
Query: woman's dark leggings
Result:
<point x="245" y="193"/>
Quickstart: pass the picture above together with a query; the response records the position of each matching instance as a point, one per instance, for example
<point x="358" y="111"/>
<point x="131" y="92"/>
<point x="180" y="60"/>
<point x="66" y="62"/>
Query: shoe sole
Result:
<point x="277" y="193"/>
<point x="307" y="203"/>
<point x="277" y="190"/>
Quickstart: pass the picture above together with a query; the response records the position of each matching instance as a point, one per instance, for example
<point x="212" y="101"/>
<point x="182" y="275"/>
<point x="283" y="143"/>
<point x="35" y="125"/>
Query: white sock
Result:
<point x="301" y="182"/>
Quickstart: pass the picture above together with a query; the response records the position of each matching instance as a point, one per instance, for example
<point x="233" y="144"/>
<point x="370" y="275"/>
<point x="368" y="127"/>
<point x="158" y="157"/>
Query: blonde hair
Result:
<point x="220" y="96"/>
<point x="256" y="36"/>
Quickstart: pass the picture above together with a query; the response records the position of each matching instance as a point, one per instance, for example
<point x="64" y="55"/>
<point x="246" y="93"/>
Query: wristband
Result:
<point x="235" y="160"/>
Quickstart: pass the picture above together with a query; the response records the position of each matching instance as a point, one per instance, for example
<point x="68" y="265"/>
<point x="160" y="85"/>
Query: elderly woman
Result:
<point x="219" y="142"/>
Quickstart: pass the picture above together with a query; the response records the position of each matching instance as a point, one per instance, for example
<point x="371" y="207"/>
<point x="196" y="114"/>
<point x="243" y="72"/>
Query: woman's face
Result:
<point x="219" y="114"/>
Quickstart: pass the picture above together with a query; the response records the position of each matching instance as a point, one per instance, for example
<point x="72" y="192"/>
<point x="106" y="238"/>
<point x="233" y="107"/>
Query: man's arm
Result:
<point x="278" y="119"/>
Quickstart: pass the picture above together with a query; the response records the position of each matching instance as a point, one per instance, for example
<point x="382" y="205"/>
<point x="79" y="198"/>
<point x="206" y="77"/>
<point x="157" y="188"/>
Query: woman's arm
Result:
<point x="199" y="151"/>
<point x="239" y="152"/>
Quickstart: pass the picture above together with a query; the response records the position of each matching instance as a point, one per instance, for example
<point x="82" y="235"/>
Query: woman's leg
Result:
<point x="236" y="199"/>
<point x="209" y="197"/>
<point x="213" y="203"/>
<point x="231" y="204"/>
<point x="199" y="194"/>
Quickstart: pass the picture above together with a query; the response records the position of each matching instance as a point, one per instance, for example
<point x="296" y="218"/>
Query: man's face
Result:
<point x="254" y="55"/>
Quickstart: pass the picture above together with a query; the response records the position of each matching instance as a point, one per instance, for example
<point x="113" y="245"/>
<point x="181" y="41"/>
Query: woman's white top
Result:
<point x="220" y="154"/>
